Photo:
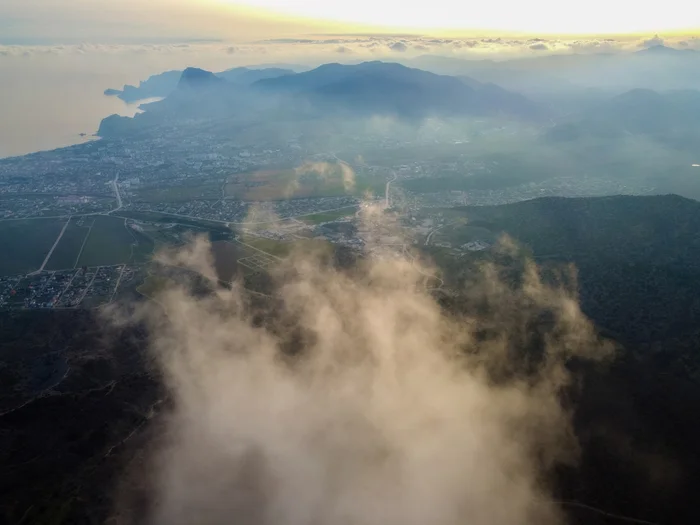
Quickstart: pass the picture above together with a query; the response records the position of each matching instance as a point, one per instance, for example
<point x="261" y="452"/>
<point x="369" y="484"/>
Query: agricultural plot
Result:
<point x="329" y="216"/>
<point x="178" y="193"/>
<point x="24" y="244"/>
<point x="112" y="241"/>
<point x="271" y="185"/>
<point x="257" y="263"/>
<point x="66" y="254"/>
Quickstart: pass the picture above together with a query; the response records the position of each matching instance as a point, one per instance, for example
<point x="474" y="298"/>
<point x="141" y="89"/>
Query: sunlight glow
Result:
<point x="543" y="16"/>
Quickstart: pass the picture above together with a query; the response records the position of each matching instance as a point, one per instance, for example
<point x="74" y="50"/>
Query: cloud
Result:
<point x="539" y="47"/>
<point x="329" y="172"/>
<point x="595" y="46"/>
<point x="353" y="397"/>
<point x="654" y="41"/>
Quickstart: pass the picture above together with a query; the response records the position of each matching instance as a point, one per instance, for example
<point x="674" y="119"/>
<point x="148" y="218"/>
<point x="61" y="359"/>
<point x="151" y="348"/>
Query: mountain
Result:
<point x="160" y="85"/>
<point x="671" y="118"/>
<point x="195" y="78"/>
<point x="391" y="88"/>
<point x="163" y="84"/>
<point x="638" y="265"/>
<point x="365" y="89"/>
<point x="247" y="76"/>
<point x="657" y="68"/>
<point x="661" y="49"/>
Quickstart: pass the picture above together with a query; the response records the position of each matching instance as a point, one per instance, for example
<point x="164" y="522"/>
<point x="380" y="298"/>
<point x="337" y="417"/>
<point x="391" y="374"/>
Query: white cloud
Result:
<point x="399" y="47"/>
<point x="654" y="41"/>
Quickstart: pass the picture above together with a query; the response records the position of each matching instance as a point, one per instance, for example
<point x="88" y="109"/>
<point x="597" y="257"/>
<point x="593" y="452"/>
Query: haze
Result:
<point x="56" y="58"/>
<point x="349" y="263"/>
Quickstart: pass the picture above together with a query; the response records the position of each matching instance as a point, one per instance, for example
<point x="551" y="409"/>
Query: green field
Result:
<point x="111" y="242"/>
<point x="283" y="248"/>
<point x="153" y="285"/>
<point x="26" y="243"/>
<point x="148" y="216"/>
<point x="178" y="193"/>
<point x="330" y="215"/>
<point x="66" y="253"/>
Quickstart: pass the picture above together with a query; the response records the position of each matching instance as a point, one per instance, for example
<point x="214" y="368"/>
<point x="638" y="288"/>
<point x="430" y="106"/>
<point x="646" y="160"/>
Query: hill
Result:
<point x="247" y="76"/>
<point x="331" y="90"/>
<point x="195" y="78"/>
<point x="670" y="118"/>
<point x="75" y="401"/>
<point x="638" y="262"/>
<point x="160" y="85"/>
<point x="163" y="84"/>
<point x="657" y="67"/>
<point x="380" y="87"/>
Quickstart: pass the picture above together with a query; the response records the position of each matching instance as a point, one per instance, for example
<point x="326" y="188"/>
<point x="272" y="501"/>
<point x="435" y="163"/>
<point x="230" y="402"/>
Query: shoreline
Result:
<point x="82" y="137"/>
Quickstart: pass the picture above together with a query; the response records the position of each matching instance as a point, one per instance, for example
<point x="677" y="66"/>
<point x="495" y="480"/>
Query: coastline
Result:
<point x="65" y="138"/>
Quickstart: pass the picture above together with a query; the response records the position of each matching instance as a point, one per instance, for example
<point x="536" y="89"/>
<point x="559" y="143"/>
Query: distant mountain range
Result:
<point x="369" y="88"/>
<point x="671" y="118"/>
<point x="657" y="67"/>
<point x="163" y="84"/>
<point x="391" y="88"/>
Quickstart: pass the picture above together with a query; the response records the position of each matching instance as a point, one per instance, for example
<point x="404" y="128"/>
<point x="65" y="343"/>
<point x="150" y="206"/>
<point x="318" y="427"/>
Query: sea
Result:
<point x="43" y="110"/>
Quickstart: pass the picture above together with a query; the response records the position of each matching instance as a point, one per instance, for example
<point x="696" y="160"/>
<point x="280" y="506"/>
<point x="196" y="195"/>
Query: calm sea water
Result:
<point x="42" y="110"/>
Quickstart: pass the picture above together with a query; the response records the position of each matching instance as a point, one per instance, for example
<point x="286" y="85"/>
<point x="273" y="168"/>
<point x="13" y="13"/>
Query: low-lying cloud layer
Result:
<point x="318" y="49"/>
<point x="355" y="399"/>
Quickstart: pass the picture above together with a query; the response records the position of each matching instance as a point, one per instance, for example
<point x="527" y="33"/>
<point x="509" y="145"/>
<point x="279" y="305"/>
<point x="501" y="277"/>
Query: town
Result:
<point x="97" y="211"/>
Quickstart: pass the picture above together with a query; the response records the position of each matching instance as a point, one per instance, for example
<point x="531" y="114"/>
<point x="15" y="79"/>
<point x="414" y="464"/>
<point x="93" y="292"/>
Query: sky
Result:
<point x="101" y="21"/>
<point x="57" y="56"/>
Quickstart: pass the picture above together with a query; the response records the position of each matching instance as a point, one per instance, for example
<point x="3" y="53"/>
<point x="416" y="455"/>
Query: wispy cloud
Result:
<point x="358" y="399"/>
<point x="655" y="41"/>
<point x="314" y="51"/>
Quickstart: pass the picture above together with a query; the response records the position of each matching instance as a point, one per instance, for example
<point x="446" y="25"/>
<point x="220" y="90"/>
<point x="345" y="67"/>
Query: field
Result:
<point x="282" y="248"/>
<point x="269" y="185"/>
<point x="178" y="193"/>
<point x="153" y="285"/>
<point x="226" y="259"/>
<point x="26" y="243"/>
<point x="111" y="241"/>
<point x="330" y="215"/>
<point x="66" y="253"/>
<point x="147" y="216"/>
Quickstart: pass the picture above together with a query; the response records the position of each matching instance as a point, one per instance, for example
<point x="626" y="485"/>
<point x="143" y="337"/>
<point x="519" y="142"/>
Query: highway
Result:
<point x="387" y="201"/>
<point x="116" y="192"/>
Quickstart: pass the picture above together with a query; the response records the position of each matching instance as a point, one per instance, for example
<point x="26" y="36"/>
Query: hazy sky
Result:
<point x="57" y="56"/>
<point x="50" y="21"/>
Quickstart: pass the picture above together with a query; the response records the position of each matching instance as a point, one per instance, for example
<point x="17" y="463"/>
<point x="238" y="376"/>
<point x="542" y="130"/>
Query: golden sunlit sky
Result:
<point x="102" y="20"/>
<point x="532" y="16"/>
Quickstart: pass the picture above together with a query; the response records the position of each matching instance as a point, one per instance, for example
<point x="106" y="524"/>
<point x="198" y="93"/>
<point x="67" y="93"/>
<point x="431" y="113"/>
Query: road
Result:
<point x="48" y="256"/>
<point x="283" y="219"/>
<point x="116" y="287"/>
<point x="435" y="230"/>
<point x="417" y="267"/>
<point x="387" y="202"/>
<point x="115" y="185"/>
